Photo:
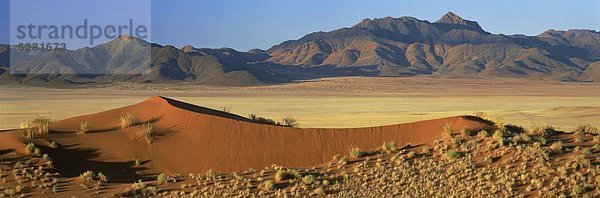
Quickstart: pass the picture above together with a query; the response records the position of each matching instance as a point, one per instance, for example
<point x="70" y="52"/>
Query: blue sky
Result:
<point x="245" y="24"/>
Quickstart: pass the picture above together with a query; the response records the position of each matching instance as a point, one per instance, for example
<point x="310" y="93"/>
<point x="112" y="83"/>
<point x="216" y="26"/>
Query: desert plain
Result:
<point x="344" y="102"/>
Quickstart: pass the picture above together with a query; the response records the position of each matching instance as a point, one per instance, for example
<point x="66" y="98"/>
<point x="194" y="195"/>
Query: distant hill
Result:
<point x="451" y="46"/>
<point x="405" y="46"/>
<point x="124" y="58"/>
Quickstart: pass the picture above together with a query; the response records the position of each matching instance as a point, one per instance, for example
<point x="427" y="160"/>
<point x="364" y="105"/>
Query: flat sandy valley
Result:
<point x="334" y="102"/>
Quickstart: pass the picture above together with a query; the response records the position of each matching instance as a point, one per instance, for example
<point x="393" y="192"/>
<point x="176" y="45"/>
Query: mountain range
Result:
<point x="405" y="46"/>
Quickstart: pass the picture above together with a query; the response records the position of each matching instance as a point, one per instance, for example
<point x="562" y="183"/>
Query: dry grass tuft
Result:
<point x="290" y="121"/>
<point x="147" y="133"/>
<point x="127" y="120"/>
<point x="355" y="152"/>
<point x="83" y="128"/>
<point x="36" y="126"/>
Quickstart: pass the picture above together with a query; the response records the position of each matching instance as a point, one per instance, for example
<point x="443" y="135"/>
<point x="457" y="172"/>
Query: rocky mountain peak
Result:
<point x="453" y="21"/>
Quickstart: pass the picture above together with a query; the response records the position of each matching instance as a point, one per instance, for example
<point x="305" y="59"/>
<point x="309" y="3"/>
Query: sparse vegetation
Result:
<point x="210" y="173"/>
<point x="53" y="144"/>
<point x="127" y="120"/>
<point x="36" y="126"/>
<point x="268" y="185"/>
<point x="161" y="178"/>
<point x="83" y="128"/>
<point x="148" y="134"/>
<point x="91" y="180"/>
<point x="262" y="120"/>
<point x="448" y="131"/>
<point x="290" y="121"/>
<point x="141" y="189"/>
<point x="526" y="164"/>
<point x="452" y="154"/>
<point x="355" y="152"/>
<point x="586" y="128"/>
<point x="308" y="179"/>
<point x="556" y="147"/>
<point x="389" y="147"/>
<point x="29" y="148"/>
<point x="283" y="175"/>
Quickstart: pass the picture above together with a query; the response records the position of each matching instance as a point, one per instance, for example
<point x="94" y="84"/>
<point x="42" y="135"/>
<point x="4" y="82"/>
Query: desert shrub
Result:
<point x="521" y="138"/>
<point x="448" y="130"/>
<point x="319" y="191"/>
<point x="541" y="140"/>
<point x="466" y="131"/>
<point x="53" y="144"/>
<point x="586" y="151"/>
<point x="426" y="151"/>
<point x="355" y="152"/>
<point x="37" y="152"/>
<point x="542" y="130"/>
<point x="83" y="128"/>
<point x="161" y="178"/>
<point x="496" y="119"/>
<point x="514" y="129"/>
<point x="452" y="154"/>
<point x="210" y="173"/>
<point x="89" y="180"/>
<point x="127" y="120"/>
<point x="343" y="160"/>
<point x="147" y="133"/>
<point x="36" y="126"/>
<point x="262" y="120"/>
<point x="30" y="148"/>
<point x="499" y="136"/>
<point x="268" y="185"/>
<point x="283" y="175"/>
<point x="482" y="134"/>
<point x="411" y="155"/>
<point x="489" y="159"/>
<point x="389" y="147"/>
<point x="290" y="121"/>
<point x="140" y="189"/>
<point x="479" y="114"/>
<point x="42" y="124"/>
<point x="556" y="147"/>
<point x="586" y="128"/>
<point x="308" y="179"/>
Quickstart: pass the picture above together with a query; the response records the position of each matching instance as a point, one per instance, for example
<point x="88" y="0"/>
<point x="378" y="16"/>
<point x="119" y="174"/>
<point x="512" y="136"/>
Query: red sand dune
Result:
<point x="195" y="139"/>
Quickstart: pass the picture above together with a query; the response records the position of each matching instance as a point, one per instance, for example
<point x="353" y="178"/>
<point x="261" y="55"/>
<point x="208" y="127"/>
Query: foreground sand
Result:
<point x="335" y="102"/>
<point x="461" y="156"/>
